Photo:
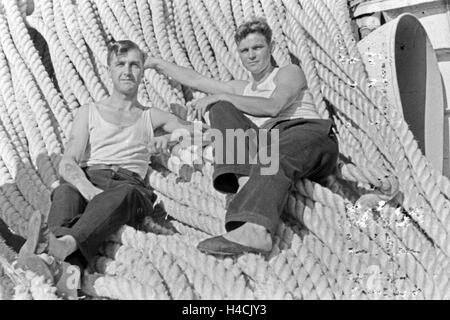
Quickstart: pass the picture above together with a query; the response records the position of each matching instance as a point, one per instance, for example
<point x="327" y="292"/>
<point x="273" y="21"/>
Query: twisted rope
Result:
<point x="24" y="45"/>
<point x="324" y="249"/>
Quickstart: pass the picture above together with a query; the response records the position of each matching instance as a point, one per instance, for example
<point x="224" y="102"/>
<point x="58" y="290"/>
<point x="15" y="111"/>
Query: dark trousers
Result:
<point x="308" y="148"/>
<point x="126" y="199"/>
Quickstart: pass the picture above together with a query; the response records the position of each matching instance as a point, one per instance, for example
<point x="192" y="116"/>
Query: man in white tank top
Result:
<point x="274" y="98"/>
<point x="103" y="168"/>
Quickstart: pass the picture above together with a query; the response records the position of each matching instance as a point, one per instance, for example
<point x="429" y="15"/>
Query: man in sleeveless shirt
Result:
<point x="104" y="167"/>
<point x="276" y="99"/>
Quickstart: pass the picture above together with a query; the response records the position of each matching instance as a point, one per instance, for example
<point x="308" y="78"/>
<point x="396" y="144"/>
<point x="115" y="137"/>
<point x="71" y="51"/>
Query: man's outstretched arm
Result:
<point x="289" y="81"/>
<point x="170" y="122"/>
<point x="69" y="167"/>
<point x="178" y="130"/>
<point x="193" y="79"/>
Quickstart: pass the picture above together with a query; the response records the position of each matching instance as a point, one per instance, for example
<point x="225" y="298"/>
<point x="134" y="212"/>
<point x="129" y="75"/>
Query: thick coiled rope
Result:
<point x="361" y="158"/>
<point x="238" y="12"/>
<point x="9" y="112"/>
<point x="232" y="65"/>
<point x="38" y="106"/>
<point x="24" y="45"/>
<point x="204" y="45"/>
<point x="227" y="10"/>
<point x="357" y="74"/>
<point x="280" y="52"/>
<point x="192" y="46"/>
<point x="54" y="60"/>
<point x="81" y="63"/>
<point x="222" y="26"/>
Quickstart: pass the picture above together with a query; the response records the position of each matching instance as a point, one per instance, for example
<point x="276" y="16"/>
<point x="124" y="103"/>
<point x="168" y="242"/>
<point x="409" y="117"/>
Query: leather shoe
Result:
<point x="222" y="246"/>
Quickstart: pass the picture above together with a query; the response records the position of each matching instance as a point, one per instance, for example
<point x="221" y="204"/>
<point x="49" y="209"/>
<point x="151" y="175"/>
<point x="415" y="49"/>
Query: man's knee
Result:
<point x="65" y="191"/>
<point x="220" y="109"/>
<point x="134" y="199"/>
<point x="127" y="190"/>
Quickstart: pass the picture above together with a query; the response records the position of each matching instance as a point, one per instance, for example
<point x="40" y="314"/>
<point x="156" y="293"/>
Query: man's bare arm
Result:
<point x="72" y="173"/>
<point x="169" y="122"/>
<point x="69" y="167"/>
<point x="193" y="79"/>
<point x="290" y="80"/>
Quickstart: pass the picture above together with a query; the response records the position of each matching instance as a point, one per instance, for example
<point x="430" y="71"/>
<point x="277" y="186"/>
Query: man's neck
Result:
<point x="123" y="102"/>
<point x="259" y="77"/>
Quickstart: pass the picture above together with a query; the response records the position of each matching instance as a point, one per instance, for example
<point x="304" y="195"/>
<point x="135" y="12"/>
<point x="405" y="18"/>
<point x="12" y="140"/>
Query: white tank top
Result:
<point x="124" y="146"/>
<point x="301" y="107"/>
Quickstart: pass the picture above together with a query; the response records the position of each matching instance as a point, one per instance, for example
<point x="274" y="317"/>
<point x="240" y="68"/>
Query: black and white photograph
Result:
<point x="224" y="153"/>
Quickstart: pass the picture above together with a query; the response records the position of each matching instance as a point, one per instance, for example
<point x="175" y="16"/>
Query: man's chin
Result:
<point x="128" y="91"/>
<point x="252" y="68"/>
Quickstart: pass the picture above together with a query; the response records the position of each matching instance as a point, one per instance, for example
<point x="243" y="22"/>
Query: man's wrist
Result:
<point x="222" y="97"/>
<point x="151" y="63"/>
<point x="81" y="185"/>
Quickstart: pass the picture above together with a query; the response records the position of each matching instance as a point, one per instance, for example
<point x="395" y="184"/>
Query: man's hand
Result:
<point x="159" y="144"/>
<point x="89" y="191"/>
<point x="200" y="106"/>
<point x="150" y="62"/>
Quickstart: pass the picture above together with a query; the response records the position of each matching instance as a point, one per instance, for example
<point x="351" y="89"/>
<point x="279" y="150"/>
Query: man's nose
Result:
<point x="251" y="54"/>
<point x="127" y="69"/>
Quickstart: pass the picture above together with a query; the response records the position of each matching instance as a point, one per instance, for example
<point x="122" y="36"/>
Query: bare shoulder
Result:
<point x="291" y="74"/>
<point x="290" y="70"/>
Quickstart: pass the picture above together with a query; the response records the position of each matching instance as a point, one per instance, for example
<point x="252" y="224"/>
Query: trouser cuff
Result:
<point x="270" y="224"/>
<point x="225" y="177"/>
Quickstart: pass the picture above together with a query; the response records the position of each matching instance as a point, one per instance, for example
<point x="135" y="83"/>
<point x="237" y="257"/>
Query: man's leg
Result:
<point x="228" y="177"/>
<point x="103" y="216"/>
<point x="306" y="150"/>
<point x="67" y="205"/>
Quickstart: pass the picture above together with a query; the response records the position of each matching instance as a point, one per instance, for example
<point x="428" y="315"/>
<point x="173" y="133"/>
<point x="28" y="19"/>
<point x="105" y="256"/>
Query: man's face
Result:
<point x="126" y="71"/>
<point x="255" y="52"/>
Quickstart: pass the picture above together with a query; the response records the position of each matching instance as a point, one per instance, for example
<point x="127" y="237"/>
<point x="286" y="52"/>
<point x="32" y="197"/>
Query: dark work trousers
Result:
<point x="126" y="199"/>
<point x="308" y="148"/>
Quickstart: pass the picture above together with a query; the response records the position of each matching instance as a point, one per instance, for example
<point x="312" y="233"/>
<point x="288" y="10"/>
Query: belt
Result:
<point x="147" y="190"/>
<point x="114" y="168"/>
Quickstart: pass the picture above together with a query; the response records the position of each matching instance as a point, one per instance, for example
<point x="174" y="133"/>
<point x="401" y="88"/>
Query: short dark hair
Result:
<point x="255" y="25"/>
<point x="121" y="47"/>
